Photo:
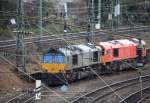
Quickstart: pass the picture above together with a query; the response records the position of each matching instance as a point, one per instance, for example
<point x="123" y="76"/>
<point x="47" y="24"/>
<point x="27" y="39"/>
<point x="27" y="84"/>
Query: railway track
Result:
<point x="11" y="44"/>
<point x="28" y="97"/>
<point x="99" y="94"/>
<point x="136" y="96"/>
<point x="21" y="98"/>
<point x="44" y="40"/>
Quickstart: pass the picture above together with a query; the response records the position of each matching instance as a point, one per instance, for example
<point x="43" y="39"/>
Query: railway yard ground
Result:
<point x="74" y="51"/>
<point x="74" y="91"/>
<point x="15" y="90"/>
<point x="85" y="86"/>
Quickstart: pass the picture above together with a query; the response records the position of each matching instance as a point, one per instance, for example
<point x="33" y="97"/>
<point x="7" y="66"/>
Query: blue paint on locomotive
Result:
<point x="53" y="63"/>
<point x="53" y="58"/>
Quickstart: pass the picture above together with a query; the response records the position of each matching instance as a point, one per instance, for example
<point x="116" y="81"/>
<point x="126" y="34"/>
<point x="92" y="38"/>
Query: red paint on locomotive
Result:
<point x="117" y="50"/>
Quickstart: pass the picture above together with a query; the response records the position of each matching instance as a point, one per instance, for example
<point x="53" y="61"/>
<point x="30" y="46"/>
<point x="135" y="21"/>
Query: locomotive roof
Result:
<point x="86" y="48"/>
<point x="117" y="43"/>
<point x="137" y="41"/>
<point x="77" y="49"/>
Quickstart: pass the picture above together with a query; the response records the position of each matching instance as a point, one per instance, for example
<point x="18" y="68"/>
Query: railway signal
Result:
<point x="88" y="33"/>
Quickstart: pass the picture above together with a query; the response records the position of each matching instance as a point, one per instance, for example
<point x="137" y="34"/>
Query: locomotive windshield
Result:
<point x="53" y="58"/>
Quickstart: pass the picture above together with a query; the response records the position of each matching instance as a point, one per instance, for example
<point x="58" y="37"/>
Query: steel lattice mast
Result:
<point x="20" y="46"/>
<point x="93" y="22"/>
<point x="40" y="24"/>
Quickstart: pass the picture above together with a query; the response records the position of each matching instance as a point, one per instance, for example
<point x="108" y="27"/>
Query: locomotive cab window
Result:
<point x="75" y="59"/>
<point x="116" y="52"/>
<point x="95" y="56"/>
<point x="103" y="53"/>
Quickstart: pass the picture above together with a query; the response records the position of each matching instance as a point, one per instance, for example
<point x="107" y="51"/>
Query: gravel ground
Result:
<point x="113" y="98"/>
<point x="11" y="83"/>
<point x="80" y="87"/>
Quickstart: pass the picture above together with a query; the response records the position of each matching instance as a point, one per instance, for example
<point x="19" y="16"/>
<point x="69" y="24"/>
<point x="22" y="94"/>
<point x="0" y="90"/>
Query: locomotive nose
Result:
<point x="53" y="67"/>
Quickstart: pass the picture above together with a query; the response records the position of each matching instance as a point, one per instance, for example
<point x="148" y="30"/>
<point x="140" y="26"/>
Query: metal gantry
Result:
<point x="20" y="46"/>
<point x="94" y="7"/>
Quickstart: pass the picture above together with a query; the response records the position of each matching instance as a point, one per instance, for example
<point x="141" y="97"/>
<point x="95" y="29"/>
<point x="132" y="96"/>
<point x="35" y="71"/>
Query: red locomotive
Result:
<point x="121" y="54"/>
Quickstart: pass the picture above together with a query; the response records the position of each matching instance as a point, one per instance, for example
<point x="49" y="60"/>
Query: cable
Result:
<point x="104" y="12"/>
<point x="86" y="7"/>
<point x="107" y="85"/>
<point x="96" y="7"/>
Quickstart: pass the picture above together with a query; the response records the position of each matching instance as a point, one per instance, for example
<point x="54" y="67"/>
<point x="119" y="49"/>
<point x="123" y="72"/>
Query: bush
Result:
<point x="5" y="34"/>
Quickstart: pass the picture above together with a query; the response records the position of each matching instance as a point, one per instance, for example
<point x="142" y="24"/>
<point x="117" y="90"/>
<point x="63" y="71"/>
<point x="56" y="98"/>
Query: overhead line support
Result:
<point x="40" y="24"/>
<point x="93" y="23"/>
<point x="20" y="47"/>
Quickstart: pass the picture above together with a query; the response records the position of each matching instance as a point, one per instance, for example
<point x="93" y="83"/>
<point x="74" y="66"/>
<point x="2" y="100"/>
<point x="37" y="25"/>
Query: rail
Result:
<point x="9" y="44"/>
<point x="95" y="92"/>
<point x="136" y="97"/>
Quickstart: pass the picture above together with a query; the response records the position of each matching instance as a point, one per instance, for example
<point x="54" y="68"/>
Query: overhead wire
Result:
<point x="104" y="12"/>
<point x="86" y="7"/>
<point x="108" y="85"/>
<point x="5" y="59"/>
<point x="62" y="23"/>
<point x="75" y="26"/>
<point x="39" y="55"/>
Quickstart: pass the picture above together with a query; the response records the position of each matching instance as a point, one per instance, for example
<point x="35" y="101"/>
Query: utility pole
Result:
<point x="40" y="24"/>
<point x="141" y="84"/>
<point x="89" y="21"/>
<point x="20" y="46"/>
<point x="99" y="13"/>
<point x="117" y="13"/>
<point x="65" y="16"/>
<point x="140" y="64"/>
<point x="119" y="10"/>
<point x="93" y="22"/>
<point x="112" y="14"/>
